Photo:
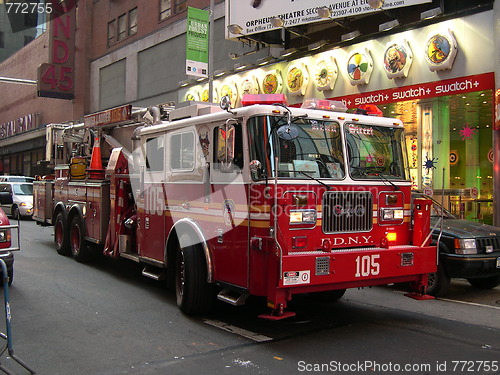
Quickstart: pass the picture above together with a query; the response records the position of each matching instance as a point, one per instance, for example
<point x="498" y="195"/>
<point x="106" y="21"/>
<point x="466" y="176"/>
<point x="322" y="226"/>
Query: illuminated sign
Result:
<point x="452" y="86"/>
<point x="255" y="16"/>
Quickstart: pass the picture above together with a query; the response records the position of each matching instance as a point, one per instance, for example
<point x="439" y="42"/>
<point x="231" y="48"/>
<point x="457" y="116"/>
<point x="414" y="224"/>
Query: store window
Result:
<point x="450" y="150"/>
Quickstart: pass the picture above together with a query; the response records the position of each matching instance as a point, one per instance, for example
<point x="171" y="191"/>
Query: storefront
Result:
<point x="22" y="146"/>
<point x="439" y="80"/>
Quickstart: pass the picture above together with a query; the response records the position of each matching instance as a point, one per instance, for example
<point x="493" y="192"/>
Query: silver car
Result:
<point x="21" y="204"/>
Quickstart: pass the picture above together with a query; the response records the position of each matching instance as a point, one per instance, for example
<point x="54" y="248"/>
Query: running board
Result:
<point x="232" y="297"/>
<point x="153" y="273"/>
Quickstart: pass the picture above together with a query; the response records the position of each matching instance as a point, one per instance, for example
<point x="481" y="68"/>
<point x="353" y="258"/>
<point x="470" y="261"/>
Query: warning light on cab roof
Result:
<point x="325" y="105"/>
<point x="251" y="99"/>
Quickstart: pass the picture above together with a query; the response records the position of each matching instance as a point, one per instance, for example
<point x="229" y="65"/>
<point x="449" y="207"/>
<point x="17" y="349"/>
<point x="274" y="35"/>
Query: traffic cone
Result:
<point x="96" y="171"/>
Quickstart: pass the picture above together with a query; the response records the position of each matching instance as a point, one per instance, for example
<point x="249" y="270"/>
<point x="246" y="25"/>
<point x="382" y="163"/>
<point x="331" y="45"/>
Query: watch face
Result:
<point x="438" y="49"/>
<point x="357" y="66"/>
<point x="323" y="75"/>
<point x="248" y="87"/>
<point x="395" y="58"/>
<point x="205" y="96"/>
<point x="270" y="83"/>
<point x="295" y="79"/>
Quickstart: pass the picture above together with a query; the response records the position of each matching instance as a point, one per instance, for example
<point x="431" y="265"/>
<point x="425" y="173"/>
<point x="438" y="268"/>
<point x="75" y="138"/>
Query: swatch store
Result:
<point x="438" y="79"/>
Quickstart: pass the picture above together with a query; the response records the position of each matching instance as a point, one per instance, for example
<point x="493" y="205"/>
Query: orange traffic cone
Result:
<point x="96" y="171"/>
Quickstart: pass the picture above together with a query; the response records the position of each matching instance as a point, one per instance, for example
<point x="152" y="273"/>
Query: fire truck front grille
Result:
<point x="345" y="211"/>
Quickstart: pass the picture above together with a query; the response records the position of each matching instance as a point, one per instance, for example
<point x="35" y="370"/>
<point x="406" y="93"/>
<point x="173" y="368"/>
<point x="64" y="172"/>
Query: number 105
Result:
<point x="367" y="265"/>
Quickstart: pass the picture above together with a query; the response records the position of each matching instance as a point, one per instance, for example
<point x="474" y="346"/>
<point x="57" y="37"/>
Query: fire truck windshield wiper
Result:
<point x="315" y="179"/>
<point x="385" y="179"/>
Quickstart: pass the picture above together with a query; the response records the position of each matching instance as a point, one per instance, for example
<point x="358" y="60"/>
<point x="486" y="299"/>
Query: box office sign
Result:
<point x="254" y="16"/>
<point x="56" y="79"/>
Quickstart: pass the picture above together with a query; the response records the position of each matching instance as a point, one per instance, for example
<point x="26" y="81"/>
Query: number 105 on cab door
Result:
<point x="367" y="265"/>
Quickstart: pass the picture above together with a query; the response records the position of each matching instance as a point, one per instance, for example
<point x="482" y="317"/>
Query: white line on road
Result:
<point x="469" y="303"/>
<point x="238" y="331"/>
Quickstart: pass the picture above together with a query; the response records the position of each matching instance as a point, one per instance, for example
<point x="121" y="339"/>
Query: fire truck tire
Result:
<point x="438" y="282"/>
<point x="328" y="296"/>
<point x="193" y="293"/>
<point x="61" y="235"/>
<point x="79" y="248"/>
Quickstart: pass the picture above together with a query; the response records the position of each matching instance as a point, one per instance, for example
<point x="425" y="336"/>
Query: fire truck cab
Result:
<point x="264" y="200"/>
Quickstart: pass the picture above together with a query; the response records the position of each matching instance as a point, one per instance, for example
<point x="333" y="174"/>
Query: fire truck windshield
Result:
<point x="374" y="152"/>
<point x="316" y="151"/>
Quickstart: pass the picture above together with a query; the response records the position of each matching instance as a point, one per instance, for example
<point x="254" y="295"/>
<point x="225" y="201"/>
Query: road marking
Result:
<point x="237" y="330"/>
<point x="469" y="303"/>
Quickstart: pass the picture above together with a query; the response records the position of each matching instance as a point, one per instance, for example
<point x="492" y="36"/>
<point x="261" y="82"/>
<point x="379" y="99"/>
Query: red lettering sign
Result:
<point x="56" y="78"/>
<point x="452" y="86"/>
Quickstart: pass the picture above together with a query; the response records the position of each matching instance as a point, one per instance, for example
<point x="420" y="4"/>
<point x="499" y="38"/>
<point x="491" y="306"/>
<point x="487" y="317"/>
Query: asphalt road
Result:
<point x="105" y="318"/>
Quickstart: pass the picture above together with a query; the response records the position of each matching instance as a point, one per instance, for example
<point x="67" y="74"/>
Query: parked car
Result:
<point x="21" y="202"/>
<point x="6" y="178"/>
<point x="5" y="243"/>
<point x="467" y="250"/>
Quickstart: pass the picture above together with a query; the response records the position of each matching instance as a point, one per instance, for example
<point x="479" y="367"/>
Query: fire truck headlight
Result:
<point x="465" y="246"/>
<point x="392" y="214"/>
<point x="303" y="216"/>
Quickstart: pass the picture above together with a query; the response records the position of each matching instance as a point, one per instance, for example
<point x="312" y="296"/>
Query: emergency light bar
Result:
<point x="325" y="105"/>
<point x="251" y="99"/>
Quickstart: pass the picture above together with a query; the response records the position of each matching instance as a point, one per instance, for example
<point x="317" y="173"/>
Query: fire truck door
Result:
<point x="151" y="236"/>
<point x="230" y="199"/>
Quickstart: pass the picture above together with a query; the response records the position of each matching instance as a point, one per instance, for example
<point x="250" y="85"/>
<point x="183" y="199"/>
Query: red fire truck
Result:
<point x="263" y="200"/>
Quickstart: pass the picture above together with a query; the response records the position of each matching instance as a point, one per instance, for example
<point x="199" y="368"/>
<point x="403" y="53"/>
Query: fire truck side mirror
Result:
<point x="225" y="145"/>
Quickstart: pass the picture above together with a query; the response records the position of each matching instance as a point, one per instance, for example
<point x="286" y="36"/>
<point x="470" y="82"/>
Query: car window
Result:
<point x="23" y="189"/>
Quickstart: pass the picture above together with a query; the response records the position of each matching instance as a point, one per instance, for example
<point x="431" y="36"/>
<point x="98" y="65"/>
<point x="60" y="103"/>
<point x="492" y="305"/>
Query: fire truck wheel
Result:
<point x="79" y="248"/>
<point x="328" y="296"/>
<point x="193" y="293"/>
<point x="438" y="282"/>
<point x="61" y="235"/>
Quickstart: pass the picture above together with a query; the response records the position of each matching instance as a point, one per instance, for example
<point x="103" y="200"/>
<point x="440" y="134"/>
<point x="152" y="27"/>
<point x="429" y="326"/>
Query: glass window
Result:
<point x="165" y="9"/>
<point x="154" y="154"/>
<point x="122" y="27"/>
<point x="111" y="33"/>
<point x="375" y="152"/>
<point x="182" y="152"/>
<point x="180" y="6"/>
<point x="132" y="22"/>
<point x="315" y="152"/>
<point x="2" y="40"/>
<point x="236" y="146"/>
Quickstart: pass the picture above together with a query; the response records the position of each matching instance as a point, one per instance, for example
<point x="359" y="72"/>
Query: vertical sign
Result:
<point x="197" y="43"/>
<point x="56" y="79"/>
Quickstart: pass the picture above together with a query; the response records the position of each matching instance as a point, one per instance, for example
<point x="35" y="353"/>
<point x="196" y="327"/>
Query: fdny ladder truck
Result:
<point x="264" y="200"/>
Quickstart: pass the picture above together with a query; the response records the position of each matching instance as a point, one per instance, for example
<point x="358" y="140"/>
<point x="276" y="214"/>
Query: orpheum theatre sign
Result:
<point x="56" y="79"/>
<point x="254" y="16"/>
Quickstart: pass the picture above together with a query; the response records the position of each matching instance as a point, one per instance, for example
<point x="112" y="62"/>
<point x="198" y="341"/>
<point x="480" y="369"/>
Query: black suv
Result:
<point x="467" y="250"/>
